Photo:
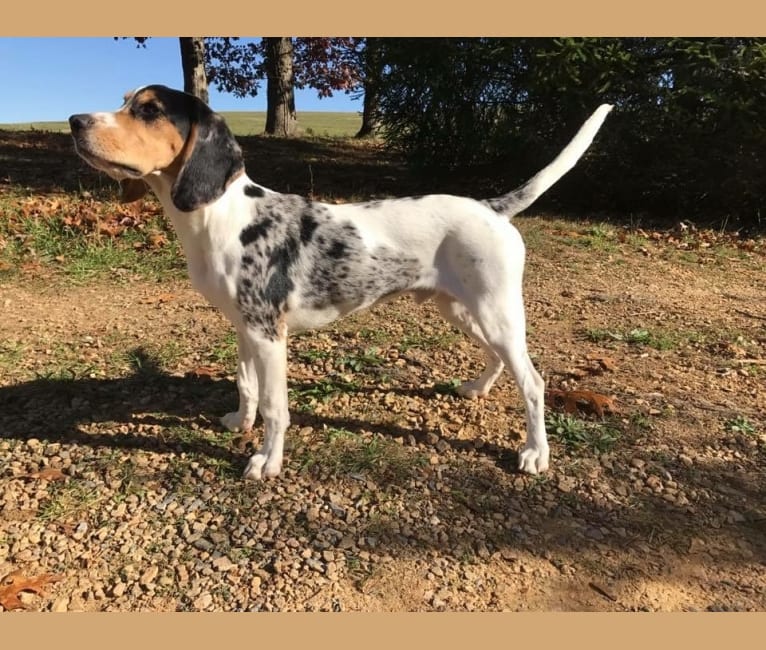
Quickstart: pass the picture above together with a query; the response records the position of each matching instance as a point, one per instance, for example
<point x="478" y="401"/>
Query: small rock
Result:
<point x="203" y="601"/>
<point x="27" y="598"/>
<point x="118" y="589"/>
<point x="736" y="517"/>
<point x="346" y="543"/>
<point x="637" y="463"/>
<point x="183" y="574"/>
<point x="566" y="484"/>
<point x="60" y="605"/>
<point x="223" y="564"/>
<point x="149" y="576"/>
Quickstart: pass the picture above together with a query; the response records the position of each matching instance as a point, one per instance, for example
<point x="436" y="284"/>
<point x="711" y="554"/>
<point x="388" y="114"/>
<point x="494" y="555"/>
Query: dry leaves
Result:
<point x="13" y="584"/>
<point x="686" y="236"/>
<point x="158" y="299"/>
<point x="204" y="371"/>
<point x="594" y="365"/>
<point x="583" y="400"/>
<point x="47" y="474"/>
<point x="87" y="216"/>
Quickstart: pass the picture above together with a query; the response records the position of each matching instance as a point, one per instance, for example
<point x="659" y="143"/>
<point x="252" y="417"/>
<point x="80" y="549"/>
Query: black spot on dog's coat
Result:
<point x="337" y="250"/>
<point x="308" y="226"/>
<point x="254" y="191"/>
<point x="255" y="231"/>
<point x="281" y="261"/>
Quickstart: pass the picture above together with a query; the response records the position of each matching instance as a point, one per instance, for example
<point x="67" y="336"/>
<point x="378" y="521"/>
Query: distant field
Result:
<point x="245" y="123"/>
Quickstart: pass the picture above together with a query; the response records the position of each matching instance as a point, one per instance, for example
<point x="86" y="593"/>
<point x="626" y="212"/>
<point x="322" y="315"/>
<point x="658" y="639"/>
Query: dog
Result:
<point x="275" y="263"/>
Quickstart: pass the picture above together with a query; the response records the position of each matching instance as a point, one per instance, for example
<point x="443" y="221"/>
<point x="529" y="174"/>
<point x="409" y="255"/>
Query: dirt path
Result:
<point x="397" y="495"/>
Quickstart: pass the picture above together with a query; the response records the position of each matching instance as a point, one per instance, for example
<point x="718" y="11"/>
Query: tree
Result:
<point x="372" y="61"/>
<point x="281" y="118"/>
<point x="326" y="64"/>
<point x="687" y="138"/>
<point x="193" y="64"/>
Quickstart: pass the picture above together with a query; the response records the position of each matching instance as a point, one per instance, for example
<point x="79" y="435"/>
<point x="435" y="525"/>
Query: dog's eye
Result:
<point x="148" y="111"/>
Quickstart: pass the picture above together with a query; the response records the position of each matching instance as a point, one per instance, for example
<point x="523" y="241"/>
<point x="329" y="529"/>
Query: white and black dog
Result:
<point x="274" y="262"/>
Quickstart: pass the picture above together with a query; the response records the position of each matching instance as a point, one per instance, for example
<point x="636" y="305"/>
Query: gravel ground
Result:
<point x="396" y="494"/>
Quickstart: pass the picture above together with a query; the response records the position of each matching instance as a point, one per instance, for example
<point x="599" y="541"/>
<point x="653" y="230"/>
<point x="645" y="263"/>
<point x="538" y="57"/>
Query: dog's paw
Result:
<point x="471" y="390"/>
<point x="236" y="423"/>
<point x="533" y="460"/>
<point x="260" y="466"/>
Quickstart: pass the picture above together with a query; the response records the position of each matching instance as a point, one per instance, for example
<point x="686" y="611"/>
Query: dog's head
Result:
<point x="158" y="129"/>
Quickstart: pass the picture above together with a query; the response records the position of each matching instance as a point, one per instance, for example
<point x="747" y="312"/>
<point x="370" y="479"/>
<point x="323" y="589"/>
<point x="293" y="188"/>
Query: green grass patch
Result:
<point x="307" y="397"/>
<point x="741" y="424"/>
<point x="361" y="361"/>
<point x="69" y="499"/>
<point x="343" y="453"/>
<point x="83" y="256"/>
<point x="375" y="336"/>
<point x="312" y="356"/>
<point x="636" y="336"/>
<point x="225" y="350"/>
<point x="442" y="340"/>
<point x="577" y="435"/>
<point x="312" y="123"/>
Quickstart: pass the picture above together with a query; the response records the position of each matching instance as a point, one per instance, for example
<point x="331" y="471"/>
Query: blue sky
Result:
<point x="52" y="78"/>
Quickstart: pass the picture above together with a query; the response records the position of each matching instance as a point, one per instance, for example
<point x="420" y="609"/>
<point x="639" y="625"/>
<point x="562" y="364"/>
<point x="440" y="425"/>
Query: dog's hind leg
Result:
<point x="505" y="333"/>
<point x="456" y="314"/>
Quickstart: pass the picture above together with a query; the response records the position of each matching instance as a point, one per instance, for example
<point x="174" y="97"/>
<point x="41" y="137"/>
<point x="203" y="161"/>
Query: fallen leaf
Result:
<point x="606" y="363"/>
<point x="48" y="474"/>
<point x="162" y="298"/>
<point x="203" y="371"/>
<point x="573" y="400"/>
<point x="14" y="583"/>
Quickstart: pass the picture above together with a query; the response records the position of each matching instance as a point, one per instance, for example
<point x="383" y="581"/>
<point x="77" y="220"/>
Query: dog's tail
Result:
<point x="522" y="197"/>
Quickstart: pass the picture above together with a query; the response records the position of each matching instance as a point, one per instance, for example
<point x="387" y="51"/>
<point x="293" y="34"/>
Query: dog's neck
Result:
<point x="161" y="184"/>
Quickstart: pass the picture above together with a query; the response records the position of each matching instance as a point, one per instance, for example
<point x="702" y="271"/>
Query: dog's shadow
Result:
<point x="147" y="409"/>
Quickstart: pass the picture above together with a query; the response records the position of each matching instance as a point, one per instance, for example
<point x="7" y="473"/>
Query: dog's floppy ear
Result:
<point x="211" y="158"/>
<point x="132" y="189"/>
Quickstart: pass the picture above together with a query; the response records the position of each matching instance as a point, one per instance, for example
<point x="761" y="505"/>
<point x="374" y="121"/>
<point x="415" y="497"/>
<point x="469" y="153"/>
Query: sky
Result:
<point x="53" y="78"/>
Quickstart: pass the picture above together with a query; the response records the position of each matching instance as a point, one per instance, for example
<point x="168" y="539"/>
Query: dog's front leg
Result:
<point x="270" y="358"/>
<point x="247" y="385"/>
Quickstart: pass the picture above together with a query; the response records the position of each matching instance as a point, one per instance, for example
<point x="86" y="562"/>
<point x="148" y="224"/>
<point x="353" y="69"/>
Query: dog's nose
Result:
<point x="80" y="122"/>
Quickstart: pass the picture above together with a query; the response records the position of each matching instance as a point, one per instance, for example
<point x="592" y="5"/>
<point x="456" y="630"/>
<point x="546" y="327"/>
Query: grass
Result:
<point x="635" y="336"/>
<point x="345" y="453"/>
<point x="225" y="350"/>
<point x="163" y="355"/>
<point x="741" y="424"/>
<point x="443" y="340"/>
<point x="361" y="361"/>
<point x="576" y="434"/>
<point x="314" y="123"/>
<point x="81" y="257"/>
<point x="67" y="500"/>
<point x="305" y="398"/>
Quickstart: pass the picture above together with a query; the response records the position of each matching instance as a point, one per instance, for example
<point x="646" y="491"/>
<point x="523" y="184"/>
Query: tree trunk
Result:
<point x="373" y="69"/>
<point x="281" y="118"/>
<point x="193" y="63"/>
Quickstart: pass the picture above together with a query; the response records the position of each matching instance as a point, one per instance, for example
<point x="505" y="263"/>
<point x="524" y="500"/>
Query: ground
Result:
<point x="119" y="485"/>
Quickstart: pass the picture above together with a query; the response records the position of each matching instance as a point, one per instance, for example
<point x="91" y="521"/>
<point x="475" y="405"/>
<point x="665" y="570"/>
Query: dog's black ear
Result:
<point x="212" y="159"/>
<point x="132" y="189"/>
